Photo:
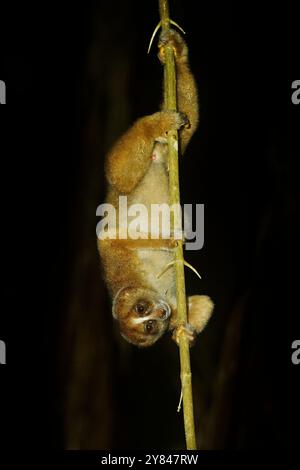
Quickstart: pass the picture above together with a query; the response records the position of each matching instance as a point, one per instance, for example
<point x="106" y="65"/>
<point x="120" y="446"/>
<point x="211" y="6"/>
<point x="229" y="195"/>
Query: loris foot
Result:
<point x="176" y="41"/>
<point x="173" y="120"/>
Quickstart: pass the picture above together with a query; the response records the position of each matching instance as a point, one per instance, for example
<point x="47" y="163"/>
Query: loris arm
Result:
<point x="200" y="308"/>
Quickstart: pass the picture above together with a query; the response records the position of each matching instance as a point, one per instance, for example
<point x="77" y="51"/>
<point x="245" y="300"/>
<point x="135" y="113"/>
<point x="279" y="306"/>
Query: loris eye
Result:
<point x="140" y="308"/>
<point x="149" y="326"/>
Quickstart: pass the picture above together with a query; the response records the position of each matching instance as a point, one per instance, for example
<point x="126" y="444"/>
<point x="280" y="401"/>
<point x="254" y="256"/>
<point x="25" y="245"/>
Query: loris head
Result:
<point x="142" y="314"/>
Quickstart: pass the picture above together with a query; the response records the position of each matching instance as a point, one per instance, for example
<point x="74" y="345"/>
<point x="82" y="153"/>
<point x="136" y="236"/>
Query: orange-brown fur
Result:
<point x="136" y="167"/>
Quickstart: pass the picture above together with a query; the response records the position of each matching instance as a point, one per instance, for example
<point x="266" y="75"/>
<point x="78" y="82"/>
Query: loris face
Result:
<point x="142" y="314"/>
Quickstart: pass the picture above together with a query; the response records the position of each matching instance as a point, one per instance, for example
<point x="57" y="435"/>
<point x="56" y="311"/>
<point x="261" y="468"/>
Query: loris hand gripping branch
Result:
<point x="143" y="304"/>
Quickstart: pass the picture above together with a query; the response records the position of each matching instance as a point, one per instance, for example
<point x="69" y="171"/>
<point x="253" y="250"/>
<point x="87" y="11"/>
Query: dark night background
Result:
<point x="76" y="77"/>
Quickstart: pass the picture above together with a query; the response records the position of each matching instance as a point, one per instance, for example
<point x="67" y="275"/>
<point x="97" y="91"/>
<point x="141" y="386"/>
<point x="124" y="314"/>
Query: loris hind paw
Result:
<point x="176" y="41"/>
<point x="172" y="120"/>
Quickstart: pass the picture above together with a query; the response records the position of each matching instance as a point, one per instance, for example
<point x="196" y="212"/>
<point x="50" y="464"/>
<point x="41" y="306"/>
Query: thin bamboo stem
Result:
<point x="170" y="103"/>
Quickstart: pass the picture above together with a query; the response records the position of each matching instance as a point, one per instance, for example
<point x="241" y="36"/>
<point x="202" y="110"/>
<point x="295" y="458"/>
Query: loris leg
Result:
<point x="187" y="101"/>
<point x="187" y="96"/>
<point x="130" y="157"/>
<point x="200" y="308"/>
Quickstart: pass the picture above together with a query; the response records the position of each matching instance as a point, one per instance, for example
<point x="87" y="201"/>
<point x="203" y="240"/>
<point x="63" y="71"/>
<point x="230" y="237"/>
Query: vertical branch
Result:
<point x="170" y="103"/>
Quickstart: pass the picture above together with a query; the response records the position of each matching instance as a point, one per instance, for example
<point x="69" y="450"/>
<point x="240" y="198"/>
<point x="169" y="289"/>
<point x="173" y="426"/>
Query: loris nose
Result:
<point x="163" y="313"/>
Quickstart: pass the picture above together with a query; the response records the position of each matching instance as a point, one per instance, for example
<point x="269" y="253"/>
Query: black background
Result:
<point x="242" y="164"/>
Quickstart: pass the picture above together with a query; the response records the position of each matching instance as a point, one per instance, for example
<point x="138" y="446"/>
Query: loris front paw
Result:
<point x="186" y="330"/>
<point x="176" y="41"/>
<point x="200" y="309"/>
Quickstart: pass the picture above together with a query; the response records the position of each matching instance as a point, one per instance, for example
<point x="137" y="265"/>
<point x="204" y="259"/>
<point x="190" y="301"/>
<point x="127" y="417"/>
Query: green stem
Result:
<point x="170" y="103"/>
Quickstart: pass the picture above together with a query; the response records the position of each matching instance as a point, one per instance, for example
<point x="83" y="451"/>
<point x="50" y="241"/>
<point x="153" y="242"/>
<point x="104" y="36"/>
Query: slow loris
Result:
<point x="143" y="304"/>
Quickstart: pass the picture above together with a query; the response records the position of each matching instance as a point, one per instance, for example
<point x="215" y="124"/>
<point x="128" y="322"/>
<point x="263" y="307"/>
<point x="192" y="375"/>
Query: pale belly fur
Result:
<point x="154" y="190"/>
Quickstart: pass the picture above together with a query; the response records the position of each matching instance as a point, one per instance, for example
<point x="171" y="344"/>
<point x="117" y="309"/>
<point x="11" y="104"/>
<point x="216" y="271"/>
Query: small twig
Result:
<point x="171" y="263"/>
<point x="170" y="103"/>
<point x="179" y="404"/>
<point x="157" y="28"/>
